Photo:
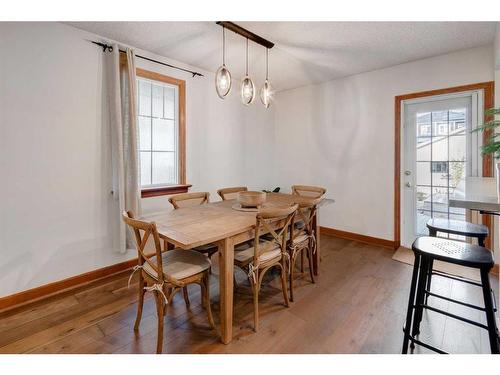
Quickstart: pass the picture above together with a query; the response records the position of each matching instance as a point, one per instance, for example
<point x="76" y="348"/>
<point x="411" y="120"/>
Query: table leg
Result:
<point x="317" y="255"/>
<point x="226" y="265"/>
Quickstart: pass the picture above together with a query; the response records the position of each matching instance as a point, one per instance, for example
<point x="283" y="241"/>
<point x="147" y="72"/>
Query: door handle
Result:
<point x="407" y="173"/>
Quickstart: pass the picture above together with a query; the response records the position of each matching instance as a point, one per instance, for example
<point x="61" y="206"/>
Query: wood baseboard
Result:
<point x="359" y="237"/>
<point x="56" y="287"/>
<point x="494" y="270"/>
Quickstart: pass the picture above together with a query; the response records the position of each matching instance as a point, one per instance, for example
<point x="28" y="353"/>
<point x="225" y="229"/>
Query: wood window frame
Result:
<point x="182" y="186"/>
<point x="489" y="94"/>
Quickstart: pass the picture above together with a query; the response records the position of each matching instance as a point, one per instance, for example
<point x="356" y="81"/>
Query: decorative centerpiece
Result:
<point x="251" y="199"/>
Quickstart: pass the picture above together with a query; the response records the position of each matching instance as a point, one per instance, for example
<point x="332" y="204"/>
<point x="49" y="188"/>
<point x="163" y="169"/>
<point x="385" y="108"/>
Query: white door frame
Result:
<point x="477" y="114"/>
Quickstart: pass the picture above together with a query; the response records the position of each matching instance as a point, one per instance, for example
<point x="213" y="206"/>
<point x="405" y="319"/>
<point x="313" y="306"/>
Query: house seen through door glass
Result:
<point x="441" y="164"/>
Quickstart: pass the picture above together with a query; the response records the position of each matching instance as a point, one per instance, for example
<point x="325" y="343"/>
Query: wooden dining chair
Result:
<point x="166" y="272"/>
<point x="231" y="192"/>
<point x="308" y="191"/>
<point x="264" y="255"/>
<point x="192" y="200"/>
<point x="302" y="240"/>
<point x="189" y="199"/>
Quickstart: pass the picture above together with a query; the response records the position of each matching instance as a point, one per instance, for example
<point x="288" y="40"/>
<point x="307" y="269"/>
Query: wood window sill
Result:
<point x="165" y="190"/>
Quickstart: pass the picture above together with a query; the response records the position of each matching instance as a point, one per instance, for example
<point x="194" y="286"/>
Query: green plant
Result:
<point x="457" y="172"/>
<point x="492" y="146"/>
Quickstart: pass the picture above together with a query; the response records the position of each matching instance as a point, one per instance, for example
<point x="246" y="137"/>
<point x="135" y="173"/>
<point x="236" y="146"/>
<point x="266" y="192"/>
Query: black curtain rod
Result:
<point x="107" y="47"/>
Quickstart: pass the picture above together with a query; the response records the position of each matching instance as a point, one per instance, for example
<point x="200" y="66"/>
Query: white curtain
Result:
<point x="123" y="122"/>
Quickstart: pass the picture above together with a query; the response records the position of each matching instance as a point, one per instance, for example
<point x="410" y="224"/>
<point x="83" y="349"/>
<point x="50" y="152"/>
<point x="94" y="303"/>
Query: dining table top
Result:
<point x="194" y="226"/>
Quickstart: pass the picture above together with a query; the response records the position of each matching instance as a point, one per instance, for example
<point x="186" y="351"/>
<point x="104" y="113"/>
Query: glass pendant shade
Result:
<point x="266" y="94"/>
<point x="222" y="81"/>
<point x="247" y="91"/>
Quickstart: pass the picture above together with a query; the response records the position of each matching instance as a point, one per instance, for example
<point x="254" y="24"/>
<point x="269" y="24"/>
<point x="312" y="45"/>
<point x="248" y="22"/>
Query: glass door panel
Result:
<point x="437" y="159"/>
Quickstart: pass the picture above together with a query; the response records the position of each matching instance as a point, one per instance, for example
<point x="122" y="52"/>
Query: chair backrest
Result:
<point x="305" y="213"/>
<point x="264" y="223"/>
<point x="189" y="199"/>
<point x="143" y="230"/>
<point x="231" y="192"/>
<point x="308" y="191"/>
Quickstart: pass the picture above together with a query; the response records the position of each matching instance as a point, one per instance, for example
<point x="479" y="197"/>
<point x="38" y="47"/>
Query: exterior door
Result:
<point x="439" y="151"/>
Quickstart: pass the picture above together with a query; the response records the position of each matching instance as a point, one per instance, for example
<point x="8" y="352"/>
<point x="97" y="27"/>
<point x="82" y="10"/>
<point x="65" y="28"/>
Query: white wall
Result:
<point x="56" y="214"/>
<point x="340" y="134"/>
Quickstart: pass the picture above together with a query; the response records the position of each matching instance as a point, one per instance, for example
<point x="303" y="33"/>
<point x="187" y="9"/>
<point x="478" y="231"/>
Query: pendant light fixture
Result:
<point x="247" y="86"/>
<point x="223" y="76"/>
<point x="266" y="92"/>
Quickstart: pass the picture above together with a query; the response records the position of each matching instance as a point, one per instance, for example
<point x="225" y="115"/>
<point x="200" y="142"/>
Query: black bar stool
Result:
<point x="461" y="228"/>
<point x="426" y="250"/>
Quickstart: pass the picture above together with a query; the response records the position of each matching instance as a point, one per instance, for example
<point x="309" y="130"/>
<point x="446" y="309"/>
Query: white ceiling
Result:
<point x="304" y="52"/>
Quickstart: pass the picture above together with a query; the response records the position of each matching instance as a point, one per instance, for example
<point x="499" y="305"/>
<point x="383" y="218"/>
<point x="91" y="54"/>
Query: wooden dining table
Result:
<point x="219" y="223"/>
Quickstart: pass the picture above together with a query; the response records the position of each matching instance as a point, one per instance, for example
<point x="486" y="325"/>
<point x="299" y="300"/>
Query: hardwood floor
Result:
<point x="357" y="306"/>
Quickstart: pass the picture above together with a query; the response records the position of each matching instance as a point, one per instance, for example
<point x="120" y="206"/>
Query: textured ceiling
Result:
<point x="305" y="52"/>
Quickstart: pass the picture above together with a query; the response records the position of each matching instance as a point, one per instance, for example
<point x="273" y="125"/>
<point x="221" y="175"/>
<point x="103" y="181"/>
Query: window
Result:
<point x="439" y="167"/>
<point x="161" y="123"/>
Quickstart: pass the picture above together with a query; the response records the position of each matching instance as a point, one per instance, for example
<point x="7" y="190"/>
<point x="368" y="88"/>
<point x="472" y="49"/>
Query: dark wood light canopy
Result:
<point x="245" y="33"/>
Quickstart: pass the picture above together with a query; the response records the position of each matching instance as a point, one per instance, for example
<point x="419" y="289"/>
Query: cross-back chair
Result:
<point x="189" y="199"/>
<point x="264" y="255"/>
<point x="230" y="192"/>
<point x="302" y="239"/>
<point x="163" y="273"/>
<point x="192" y="200"/>
<point x="308" y="191"/>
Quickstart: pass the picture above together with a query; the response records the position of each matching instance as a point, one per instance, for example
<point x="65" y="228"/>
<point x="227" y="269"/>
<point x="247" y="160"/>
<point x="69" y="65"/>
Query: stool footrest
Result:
<point x="427" y="346"/>
<point x="462" y="279"/>
<point x="455" y="301"/>
<point x="455" y="316"/>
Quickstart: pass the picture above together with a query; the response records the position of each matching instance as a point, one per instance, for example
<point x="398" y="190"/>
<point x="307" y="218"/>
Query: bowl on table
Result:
<point x="251" y="199"/>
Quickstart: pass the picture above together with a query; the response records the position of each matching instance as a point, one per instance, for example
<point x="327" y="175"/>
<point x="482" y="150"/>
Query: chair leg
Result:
<point x="293" y="258"/>
<point x="160" y="313"/>
<point x="411" y="301"/>
<point x="429" y="278"/>
<point x="311" y="270"/>
<point x="206" y="299"/>
<point x="283" y="284"/>
<point x="490" y="314"/>
<point x="302" y="262"/>
<point x="140" y="303"/>
<point x="419" y="301"/>
<point x="186" y="296"/>
<point x="235" y="283"/>
<point x="480" y="241"/>
<point x="255" y="289"/>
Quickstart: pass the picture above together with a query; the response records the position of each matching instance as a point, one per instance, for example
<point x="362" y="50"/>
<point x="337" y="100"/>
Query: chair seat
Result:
<point x="457" y="252"/>
<point x="458" y="227"/>
<point x="300" y="237"/>
<point x="179" y="264"/>
<point x="269" y="250"/>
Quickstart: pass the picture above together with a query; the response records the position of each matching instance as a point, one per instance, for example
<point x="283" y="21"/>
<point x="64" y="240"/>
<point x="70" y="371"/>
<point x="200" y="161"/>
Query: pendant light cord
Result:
<point x="223" y="46"/>
<point x="267" y="63"/>
<point x="247" y="59"/>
